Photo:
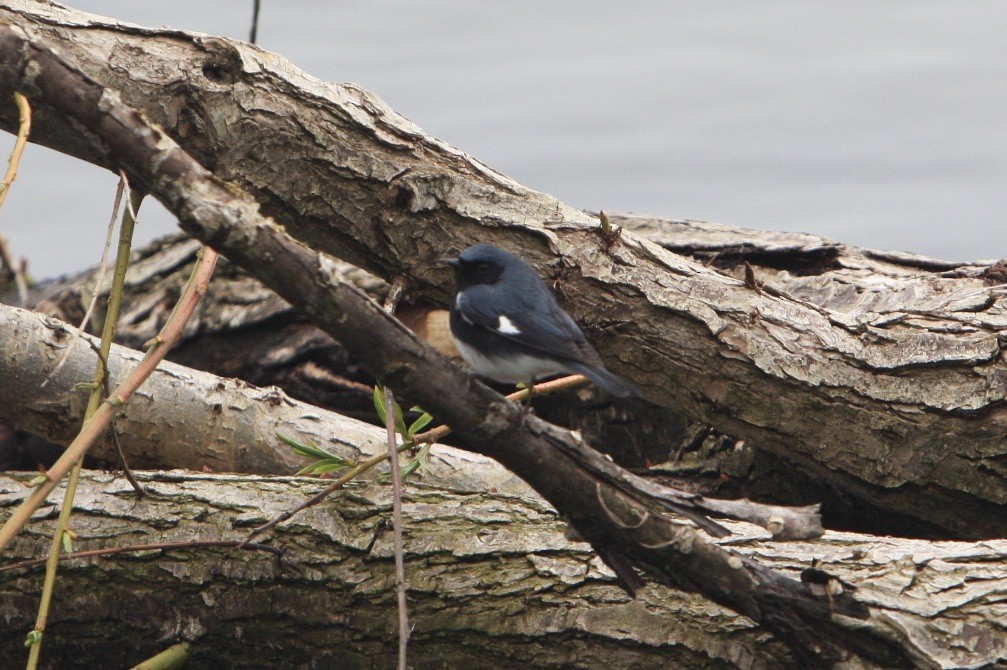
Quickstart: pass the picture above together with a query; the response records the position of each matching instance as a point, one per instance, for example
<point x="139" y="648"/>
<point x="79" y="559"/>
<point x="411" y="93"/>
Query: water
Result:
<point x="878" y="124"/>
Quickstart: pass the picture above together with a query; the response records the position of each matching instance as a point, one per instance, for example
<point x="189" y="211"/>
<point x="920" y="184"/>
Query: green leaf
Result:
<point x="33" y="638"/>
<point x="410" y="467"/>
<point x="379" y="403"/>
<point x="400" y="422"/>
<point x="424" y="457"/>
<point x="418" y="464"/>
<point x="324" y="461"/>
<point x="330" y="467"/>
<point x="420" y="423"/>
<point x="324" y="466"/>
<point x="311" y="451"/>
<point x="67" y="543"/>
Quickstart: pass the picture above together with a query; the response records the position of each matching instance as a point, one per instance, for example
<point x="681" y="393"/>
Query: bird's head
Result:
<point x="480" y="264"/>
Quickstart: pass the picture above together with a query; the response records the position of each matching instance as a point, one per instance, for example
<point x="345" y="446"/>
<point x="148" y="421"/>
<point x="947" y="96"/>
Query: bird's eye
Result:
<point x="483" y="268"/>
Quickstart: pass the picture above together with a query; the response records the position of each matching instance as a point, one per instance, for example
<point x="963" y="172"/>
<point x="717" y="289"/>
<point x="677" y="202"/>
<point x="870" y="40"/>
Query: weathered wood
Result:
<point x="188" y="419"/>
<point x="242" y="329"/>
<point x="625" y="524"/>
<point x="493" y="584"/>
<point x="193" y="419"/>
<point x="890" y="391"/>
<point x="694" y="307"/>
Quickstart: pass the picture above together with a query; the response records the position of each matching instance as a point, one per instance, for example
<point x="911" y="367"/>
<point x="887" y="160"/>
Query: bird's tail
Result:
<point x="609" y="382"/>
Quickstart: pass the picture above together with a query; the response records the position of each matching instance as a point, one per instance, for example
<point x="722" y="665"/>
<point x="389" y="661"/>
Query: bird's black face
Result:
<point x="472" y="273"/>
<point x="472" y="269"/>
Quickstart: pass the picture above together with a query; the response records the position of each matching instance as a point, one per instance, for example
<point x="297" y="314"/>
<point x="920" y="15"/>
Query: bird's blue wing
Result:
<point x="544" y="326"/>
<point x="475" y="308"/>
<point x="540" y="325"/>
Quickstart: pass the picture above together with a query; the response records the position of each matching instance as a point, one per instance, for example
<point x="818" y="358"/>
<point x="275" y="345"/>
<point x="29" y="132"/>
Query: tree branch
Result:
<point x="185" y="418"/>
<point x="908" y="369"/>
<point x="224" y="217"/>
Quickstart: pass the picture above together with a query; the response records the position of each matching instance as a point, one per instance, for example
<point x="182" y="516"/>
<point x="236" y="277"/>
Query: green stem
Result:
<point x="170" y="333"/>
<point x="94" y="401"/>
<point x="400" y="570"/>
<point x="173" y="657"/>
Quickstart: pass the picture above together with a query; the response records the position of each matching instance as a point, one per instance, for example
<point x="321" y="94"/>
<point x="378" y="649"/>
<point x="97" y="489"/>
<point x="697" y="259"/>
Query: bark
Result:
<point x="623" y="522"/>
<point x="193" y="419"/>
<point x="493" y="584"/>
<point x="655" y="302"/>
<point x="244" y="330"/>
<point x="241" y="329"/>
<point x="189" y="419"/>
<point x="892" y="392"/>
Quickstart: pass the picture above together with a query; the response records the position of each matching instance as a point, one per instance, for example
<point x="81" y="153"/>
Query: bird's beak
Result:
<point x="453" y="262"/>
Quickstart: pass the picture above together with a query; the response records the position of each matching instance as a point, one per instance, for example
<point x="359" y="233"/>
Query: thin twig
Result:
<point x="97" y="393"/>
<point x="170" y="333"/>
<point x="427" y="437"/>
<point x="126" y="471"/>
<point x="400" y="569"/>
<point x="391" y="302"/>
<point x="112" y="317"/>
<point x="24" y="129"/>
<point x="129" y="218"/>
<point x="563" y="383"/>
<point x="7" y="261"/>
<point x="175" y="656"/>
<point x="97" y="279"/>
<point x="395" y="293"/>
<point x="254" y="32"/>
<point x="151" y="546"/>
<point x="343" y="480"/>
<point x="114" y="432"/>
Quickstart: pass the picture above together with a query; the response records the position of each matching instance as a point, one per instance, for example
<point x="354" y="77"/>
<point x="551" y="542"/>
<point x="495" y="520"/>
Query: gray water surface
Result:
<point x="878" y="124"/>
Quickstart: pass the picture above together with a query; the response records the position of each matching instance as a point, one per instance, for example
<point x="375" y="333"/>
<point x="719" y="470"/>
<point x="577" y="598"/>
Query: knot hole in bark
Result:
<point x="223" y="63"/>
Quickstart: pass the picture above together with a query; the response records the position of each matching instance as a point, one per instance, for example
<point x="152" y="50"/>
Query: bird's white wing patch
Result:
<point x="506" y="326"/>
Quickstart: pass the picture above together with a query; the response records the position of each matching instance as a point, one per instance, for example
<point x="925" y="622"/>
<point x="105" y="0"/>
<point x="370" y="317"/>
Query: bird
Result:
<point x="509" y="328"/>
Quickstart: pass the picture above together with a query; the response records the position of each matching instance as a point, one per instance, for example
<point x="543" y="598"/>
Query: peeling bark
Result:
<point x="888" y="390"/>
<point x="493" y="584"/>
<point x="188" y="419"/>
<point x="623" y="523"/>
<point x="241" y="328"/>
<point x="194" y="419"/>
<point x="822" y="388"/>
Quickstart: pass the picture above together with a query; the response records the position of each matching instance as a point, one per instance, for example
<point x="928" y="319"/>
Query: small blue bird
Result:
<point x="509" y="328"/>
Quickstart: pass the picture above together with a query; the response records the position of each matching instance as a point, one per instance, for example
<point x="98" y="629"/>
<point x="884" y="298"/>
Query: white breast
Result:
<point x="520" y="368"/>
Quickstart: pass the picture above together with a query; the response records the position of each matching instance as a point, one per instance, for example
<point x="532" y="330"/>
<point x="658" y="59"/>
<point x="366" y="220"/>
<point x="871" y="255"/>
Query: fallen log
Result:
<point x="493" y="583"/>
